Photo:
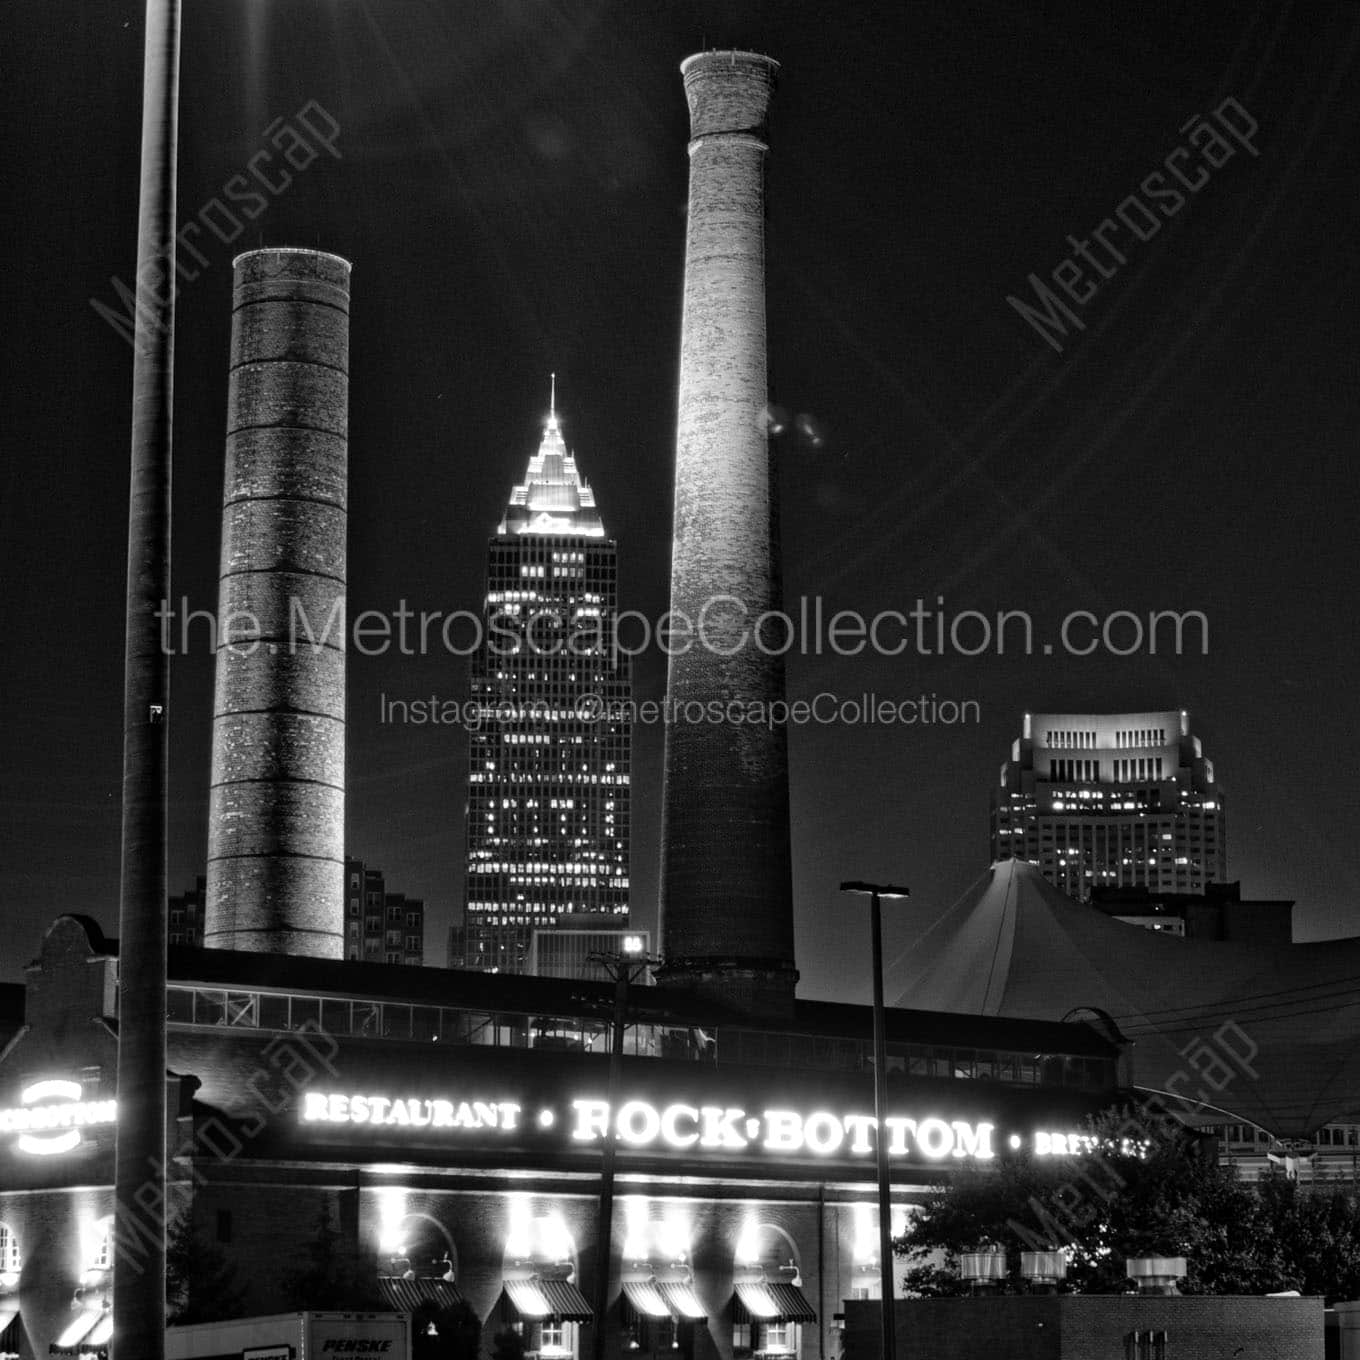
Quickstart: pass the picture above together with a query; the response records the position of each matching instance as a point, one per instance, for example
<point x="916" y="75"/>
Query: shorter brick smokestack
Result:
<point x="277" y="809"/>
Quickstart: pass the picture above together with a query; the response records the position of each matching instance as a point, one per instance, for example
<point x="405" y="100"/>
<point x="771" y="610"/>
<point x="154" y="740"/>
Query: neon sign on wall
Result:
<point x="679" y="1127"/>
<point x="50" y="1116"/>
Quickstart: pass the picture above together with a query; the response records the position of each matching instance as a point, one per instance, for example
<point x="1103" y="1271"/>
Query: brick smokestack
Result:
<point x="277" y="811"/>
<point x="727" y="912"/>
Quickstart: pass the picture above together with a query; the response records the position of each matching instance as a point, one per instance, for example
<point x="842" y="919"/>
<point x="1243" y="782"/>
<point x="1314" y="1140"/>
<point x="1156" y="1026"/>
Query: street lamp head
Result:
<point x="856" y="885"/>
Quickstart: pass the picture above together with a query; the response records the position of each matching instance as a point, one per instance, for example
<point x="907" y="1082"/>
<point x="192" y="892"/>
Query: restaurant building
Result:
<point x="451" y="1125"/>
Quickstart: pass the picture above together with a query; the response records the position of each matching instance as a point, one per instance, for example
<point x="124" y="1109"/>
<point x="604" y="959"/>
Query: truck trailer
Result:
<point x="294" y="1336"/>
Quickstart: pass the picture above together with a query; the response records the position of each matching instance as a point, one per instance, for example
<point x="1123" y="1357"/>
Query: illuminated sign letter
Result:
<point x="670" y="1134"/>
<point x="898" y="1129"/>
<point x="858" y="1126"/>
<point x="783" y="1131"/>
<point x="973" y="1140"/>
<point x="638" y="1123"/>
<point x="592" y="1120"/>
<point x="719" y="1128"/>
<point x="823" y="1133"/>
<point x="935" y="1139"/>
<point x="314" y="1107"/>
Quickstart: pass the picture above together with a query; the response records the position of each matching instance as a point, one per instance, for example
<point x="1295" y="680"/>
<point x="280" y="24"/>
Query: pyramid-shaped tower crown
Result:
<point x="553" y="498"/>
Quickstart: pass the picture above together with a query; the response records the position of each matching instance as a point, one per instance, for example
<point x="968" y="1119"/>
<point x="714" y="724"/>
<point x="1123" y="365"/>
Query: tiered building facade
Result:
<point x="1101" y="800"/>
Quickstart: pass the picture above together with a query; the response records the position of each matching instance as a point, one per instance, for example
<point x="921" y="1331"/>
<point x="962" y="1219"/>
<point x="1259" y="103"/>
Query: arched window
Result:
<point x="419" y="1247"/>
<point x="10" y="1260"/>
<point x="769" y="1309"/>
<point x="539" y="1299"/>
<point x="101" y="1257"/>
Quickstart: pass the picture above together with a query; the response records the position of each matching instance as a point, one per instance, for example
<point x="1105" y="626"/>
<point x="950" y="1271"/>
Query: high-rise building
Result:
<point x="1111" y="800"/>
<point x="381" y="926"/>
<point x="549" y="764"/>
<point x="186" y="914"/>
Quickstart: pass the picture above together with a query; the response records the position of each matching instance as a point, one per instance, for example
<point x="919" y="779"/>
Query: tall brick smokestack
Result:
<point x="727" y="913"/>
<point x="277" y="810"/>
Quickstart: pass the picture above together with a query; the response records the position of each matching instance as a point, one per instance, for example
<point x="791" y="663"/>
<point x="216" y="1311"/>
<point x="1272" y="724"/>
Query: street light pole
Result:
<point x="875" y="892"/>
<point x="139" y="1158"/>
<point x="624" y="969"/>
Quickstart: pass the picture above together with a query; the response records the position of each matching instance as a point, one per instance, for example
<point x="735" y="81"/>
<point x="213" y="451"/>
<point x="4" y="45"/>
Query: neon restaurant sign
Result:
<point x="687" y="1128"/>
<point x="50" y="1116"/>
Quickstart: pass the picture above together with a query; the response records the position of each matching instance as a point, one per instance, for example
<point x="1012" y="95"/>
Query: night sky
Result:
<point x="511" y="189"/>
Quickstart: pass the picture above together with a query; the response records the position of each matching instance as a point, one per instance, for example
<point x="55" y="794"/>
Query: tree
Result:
<point x="1315" y="1232"/>
<point x="507" y="1344"/>
<point x="334" y="1275"/>
<point x="201" y="1284"/>
<point x="1124" y="1196"/>
<point x="457" y="1334"/>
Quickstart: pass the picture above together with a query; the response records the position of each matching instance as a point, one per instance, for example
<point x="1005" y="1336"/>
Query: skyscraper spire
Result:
<point x="553" y="498"/>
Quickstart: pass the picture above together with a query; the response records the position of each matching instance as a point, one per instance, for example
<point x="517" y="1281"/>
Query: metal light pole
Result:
<point x="624" y="969"/>
<point x="875" y="892"/>
<point x="139" y="1174"/>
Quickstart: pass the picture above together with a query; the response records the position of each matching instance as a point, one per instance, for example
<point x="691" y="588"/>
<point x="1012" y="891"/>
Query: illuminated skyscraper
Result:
<point x="549" y="769"/>
<point x="1111" y="800"/>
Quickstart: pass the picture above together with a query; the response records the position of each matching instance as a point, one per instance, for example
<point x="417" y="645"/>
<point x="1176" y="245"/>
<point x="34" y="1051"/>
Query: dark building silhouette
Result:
<point x="381" y="926"/>
<point x="186" y="914"/>
<point x="1218" y="913"/>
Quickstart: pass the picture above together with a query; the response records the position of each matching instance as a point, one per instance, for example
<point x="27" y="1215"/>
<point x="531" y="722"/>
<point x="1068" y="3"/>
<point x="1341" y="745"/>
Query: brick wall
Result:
<point x="726" y="863"/>
<point x="1090" y="1327"/>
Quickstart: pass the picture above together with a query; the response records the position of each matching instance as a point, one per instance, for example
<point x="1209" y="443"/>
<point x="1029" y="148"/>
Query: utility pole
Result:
<point x="875" y="891"/>
<point x="624" y="969"/>
<point x="140" y="1153"/>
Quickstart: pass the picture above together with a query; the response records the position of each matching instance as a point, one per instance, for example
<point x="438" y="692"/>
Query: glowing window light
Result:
<point x="864" y="1234"/>
<point x="519" y="1242"/>
<point x="391" y="1214"/>
<point x="636" y="1238"/>
<point x="672" y="1236"/>
<point x="748" y="1244"/>
<point x="554" y="1239"/>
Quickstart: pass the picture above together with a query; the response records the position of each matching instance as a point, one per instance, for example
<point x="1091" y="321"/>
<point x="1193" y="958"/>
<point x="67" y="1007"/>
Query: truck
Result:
<point x="295" y="1336"/>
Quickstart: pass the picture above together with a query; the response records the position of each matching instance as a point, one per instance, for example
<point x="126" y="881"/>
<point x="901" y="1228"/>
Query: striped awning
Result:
<point x="9" y="1330"/>
<point x="539" y="1298"/>
<point x="98" y="1339"/>
<point x="77" y="1339"/>
<point x="682" y="1301"/>
<point x="646" y="1298"/>
<point x="406" y="1296"/>
<point x="776" y="1302"/>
